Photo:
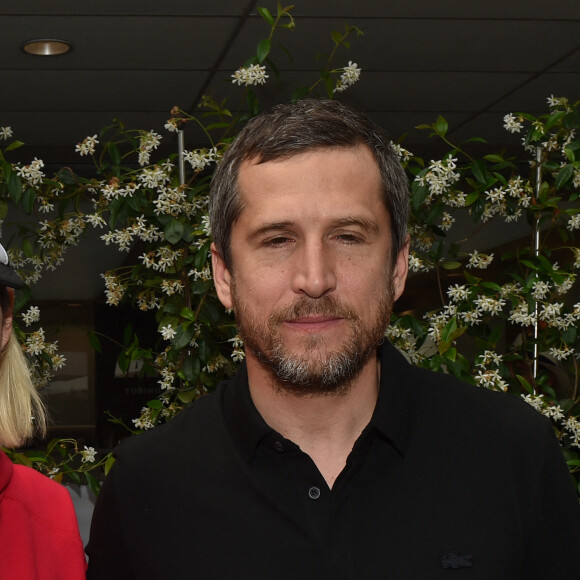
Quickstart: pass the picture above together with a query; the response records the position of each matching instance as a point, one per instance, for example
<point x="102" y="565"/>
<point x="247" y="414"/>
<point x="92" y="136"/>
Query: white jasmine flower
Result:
<point x="512" y="124"/>
<point x="416" y="264"/>
<point x="458" y="292"/>
<point x="551" y="311"/>
<point x="200" y="158"/>
<point x="540" y="290"/>
<point x="574" y="222"/>
<point x="403" y="154"/>
<point x="171" y="125"/>
<point x="573" y="427"/>
<point x="439" y="178"/>
<point x="145" y="420"/>
<point x="349" y="77"/>
<point x="251" y="75"/>
<point x="521" y="315"/>
<point x="35" y="342"/>
<point x="561" y="353"/>
<point x="95" y="220"/>
<point x="171" y="287"/>
<point x="489" y="304"/>
<point x="490" y="379"/>
<point x="31" y="315"/>
<point x="237" y="341"/>
<point x="33" y="172"/>
<point x="481" y="261"/>
<point x="88" y="454"/>
<point x="87" y="147"/>
<point x="168" y="332"/>
<point x="447" y="220"/>
<point x="490" y="357"/>
<point x="5" y="133"/>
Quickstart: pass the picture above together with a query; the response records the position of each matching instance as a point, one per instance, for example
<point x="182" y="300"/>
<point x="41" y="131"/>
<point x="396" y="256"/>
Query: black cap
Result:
<point x="8" y="277"/>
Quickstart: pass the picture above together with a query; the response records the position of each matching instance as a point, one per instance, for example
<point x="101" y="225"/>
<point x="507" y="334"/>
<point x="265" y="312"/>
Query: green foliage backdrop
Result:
<point x="497" y="316"/>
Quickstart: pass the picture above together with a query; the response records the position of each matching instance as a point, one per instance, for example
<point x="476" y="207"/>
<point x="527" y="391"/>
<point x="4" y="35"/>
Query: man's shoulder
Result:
<point x="445" y="399"/>
<point x="192" y="428"/>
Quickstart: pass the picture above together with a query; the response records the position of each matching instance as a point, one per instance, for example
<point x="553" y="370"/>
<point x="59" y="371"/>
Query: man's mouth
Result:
<point x="313" y="323"/>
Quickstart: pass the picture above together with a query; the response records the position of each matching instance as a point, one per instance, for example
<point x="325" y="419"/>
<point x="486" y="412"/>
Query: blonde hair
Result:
<point x="22" y="413"/>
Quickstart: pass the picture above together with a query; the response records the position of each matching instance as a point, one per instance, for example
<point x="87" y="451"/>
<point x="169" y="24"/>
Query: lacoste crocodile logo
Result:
<point x="456" y="560"/>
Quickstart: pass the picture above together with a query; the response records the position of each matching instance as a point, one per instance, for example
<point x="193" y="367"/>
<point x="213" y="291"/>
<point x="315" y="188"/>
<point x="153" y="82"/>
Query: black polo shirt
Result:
<point x="447" y="481"/>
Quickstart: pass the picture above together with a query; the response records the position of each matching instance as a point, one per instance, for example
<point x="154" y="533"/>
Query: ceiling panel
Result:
<point x="470" y="61"/>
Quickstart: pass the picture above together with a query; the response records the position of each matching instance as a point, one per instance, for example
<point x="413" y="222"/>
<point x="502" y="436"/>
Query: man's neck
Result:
<point x="323" y="426"/>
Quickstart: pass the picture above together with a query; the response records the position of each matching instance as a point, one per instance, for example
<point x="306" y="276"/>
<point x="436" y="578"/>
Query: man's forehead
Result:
<point x="279" y="184"/>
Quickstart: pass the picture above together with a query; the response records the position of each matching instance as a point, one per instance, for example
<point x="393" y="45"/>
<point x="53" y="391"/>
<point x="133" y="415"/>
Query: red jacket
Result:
<point x="39" y="535"/>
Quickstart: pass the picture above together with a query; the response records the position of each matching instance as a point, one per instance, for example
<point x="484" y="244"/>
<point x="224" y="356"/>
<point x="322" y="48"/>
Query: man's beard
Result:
<point x="316" y="370"/>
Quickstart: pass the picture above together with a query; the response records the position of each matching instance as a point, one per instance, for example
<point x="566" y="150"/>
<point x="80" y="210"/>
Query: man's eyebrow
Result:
<point x="270" y="227"/>
<point x="364" y="223"/>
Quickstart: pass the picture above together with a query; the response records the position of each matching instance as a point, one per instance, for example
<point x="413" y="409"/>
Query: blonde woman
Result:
<point x="39" y="535"/>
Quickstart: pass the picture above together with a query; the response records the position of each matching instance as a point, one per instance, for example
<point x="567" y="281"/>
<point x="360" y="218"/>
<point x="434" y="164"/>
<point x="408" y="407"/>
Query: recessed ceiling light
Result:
<point x="46" y="47"/>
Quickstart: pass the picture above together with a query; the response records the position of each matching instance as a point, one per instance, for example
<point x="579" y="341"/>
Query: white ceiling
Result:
<point x="134" y="60"/>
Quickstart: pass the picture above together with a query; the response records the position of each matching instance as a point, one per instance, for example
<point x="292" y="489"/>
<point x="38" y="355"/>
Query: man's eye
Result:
<point x="348" y="238"/>
<point x="278" y="241"/>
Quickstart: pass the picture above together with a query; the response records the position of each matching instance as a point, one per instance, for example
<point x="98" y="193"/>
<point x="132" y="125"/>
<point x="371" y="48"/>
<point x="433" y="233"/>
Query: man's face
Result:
<point x="312" y="280"/>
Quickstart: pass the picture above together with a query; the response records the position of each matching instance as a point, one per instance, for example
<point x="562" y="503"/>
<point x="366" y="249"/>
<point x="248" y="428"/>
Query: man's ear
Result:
<point x="222" y="278"/>
<point x="7" y="319"/>
<point x="401" y="269"/>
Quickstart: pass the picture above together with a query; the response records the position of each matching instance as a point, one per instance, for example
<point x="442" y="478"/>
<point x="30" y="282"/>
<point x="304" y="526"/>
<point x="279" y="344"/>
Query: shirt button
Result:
<point x="278" y="447"/>
<point x="314" y="492"/>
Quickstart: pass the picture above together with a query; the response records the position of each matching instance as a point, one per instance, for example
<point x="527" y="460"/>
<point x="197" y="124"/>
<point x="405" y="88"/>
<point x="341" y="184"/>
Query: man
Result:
<point x="328" y="456"/>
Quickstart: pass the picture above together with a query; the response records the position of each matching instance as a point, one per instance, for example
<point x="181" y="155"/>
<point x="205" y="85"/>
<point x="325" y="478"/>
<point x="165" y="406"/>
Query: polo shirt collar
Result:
<point x="392" y="416"/>
<point x="247" y="425"/>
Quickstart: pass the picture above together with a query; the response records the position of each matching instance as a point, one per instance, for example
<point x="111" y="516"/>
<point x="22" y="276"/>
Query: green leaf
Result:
<point x="451" y="265"/>
<point x="525" y="384"/>
<point x="184" y="335"/>
<point x="187" y="313"/>
<point x="441" y="126"/>
<point x="191" y="369"/>
<point x="14" y="145"/>
<point x="263" y="51"/>
<point x="15" y="187"/>
<point x="114" y="153"/>
<point x="449" y="330"/>
<point x="109" y="463"/>
<point x="265" y="14"/>
<point x="94" y="341"/>
<point x="27" y="248"/>
<point x="494" y="158"/>
<point x="187" y="396"/>
<point x="491" y="286"/>
<point x="92" y="483"/>
<point x="128" y="334"/>
<point x="173" y="231"/>
<point x="479" y="170"/>
<point x="564" y="176"/>
<point x="123" y="360"/>
<point x="155" y="404"/>
<point x="28" y="200"/>
<point x="200" y="286"/>
<point x="336" y="37"/>
<point x="472" y="198"/>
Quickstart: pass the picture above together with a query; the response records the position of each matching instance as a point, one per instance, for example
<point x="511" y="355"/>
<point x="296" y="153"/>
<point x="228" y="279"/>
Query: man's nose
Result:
<point x="314" y="271"/>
